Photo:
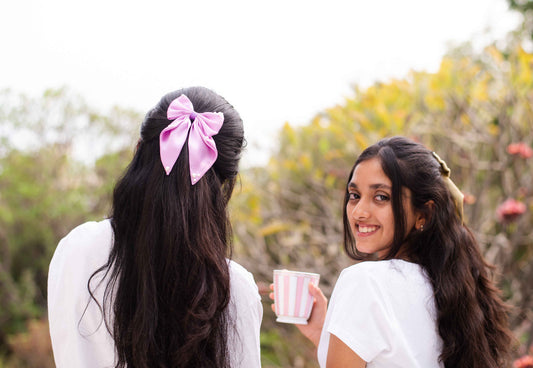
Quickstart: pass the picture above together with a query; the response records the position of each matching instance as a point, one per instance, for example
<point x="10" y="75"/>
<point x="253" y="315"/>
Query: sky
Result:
<point x="275" y="61"/>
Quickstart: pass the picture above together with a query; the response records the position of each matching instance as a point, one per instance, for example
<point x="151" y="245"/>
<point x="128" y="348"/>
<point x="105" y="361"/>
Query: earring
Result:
<point x="421" y="227"/>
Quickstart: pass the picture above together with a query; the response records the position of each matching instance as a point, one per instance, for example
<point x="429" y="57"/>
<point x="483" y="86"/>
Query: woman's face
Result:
<point x="369" y="208"/>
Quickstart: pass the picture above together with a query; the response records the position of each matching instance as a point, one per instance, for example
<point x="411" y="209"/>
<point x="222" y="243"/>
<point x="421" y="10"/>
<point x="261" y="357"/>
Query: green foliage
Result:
<point x="32" y="348"/>
<point x="37" y="202"/>
<point x="525" y="7"/>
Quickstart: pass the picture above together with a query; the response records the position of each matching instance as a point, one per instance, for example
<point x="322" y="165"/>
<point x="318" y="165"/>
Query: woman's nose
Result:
<point x="360" y="210"/>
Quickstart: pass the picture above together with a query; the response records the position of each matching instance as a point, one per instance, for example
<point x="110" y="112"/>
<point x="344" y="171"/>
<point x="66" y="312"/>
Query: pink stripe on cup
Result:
<point x="299" y="288"/>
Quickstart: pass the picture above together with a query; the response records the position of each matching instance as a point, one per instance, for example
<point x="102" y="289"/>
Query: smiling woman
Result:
<point x="422" y="295"/>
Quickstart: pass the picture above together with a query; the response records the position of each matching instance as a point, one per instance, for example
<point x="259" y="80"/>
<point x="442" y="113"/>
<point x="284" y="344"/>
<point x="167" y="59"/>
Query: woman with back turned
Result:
<point x="152" y="285"/>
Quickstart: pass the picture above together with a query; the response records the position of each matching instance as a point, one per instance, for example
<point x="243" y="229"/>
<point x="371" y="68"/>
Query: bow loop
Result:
<point x="202" y="148"/>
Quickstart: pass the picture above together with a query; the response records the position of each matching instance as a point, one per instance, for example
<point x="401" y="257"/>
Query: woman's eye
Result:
<point x="382" y="197"/>
<point x="353" y="196"/>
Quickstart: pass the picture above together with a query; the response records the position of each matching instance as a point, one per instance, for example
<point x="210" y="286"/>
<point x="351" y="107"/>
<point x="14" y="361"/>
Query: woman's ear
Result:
<point x="424" y="215"/>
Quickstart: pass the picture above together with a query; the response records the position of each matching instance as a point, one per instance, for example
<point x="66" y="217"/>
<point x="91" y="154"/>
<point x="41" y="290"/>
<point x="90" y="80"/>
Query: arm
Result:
<point x="341" y="356"/>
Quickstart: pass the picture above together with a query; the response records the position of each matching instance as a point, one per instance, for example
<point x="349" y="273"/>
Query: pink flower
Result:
<point x="469" y="198"/>
<point x="510" y="210"/>
<point x="525" y="362"/>
<point x="520" y="149"/>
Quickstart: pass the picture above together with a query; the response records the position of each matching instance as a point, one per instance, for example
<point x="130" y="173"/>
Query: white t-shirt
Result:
<point x="85" y="342"/>
<point x="385" y="312"/>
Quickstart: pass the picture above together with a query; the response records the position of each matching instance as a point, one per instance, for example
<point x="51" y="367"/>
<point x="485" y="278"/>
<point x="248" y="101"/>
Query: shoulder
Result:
<point x="90" y="230"/>
<point x="89" y="243"/>
<point x="375" y="276"/>
<point x="381" y="270"/>
<point x="241" y="280"/>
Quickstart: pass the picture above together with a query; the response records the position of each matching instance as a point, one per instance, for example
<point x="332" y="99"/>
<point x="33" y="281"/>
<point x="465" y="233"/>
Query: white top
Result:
<point x="85" y="342"/>
<point x="385" y="312"/>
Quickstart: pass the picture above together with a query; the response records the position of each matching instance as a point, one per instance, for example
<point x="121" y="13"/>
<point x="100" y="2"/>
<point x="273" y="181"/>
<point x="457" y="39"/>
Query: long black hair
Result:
<point x="168" y="279"/>
<point x="471" y="317"/>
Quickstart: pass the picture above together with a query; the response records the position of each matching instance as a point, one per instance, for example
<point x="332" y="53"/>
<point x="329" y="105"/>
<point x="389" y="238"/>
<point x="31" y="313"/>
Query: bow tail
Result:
<point x="171" y="141"/>
<point x="202" y="153"/>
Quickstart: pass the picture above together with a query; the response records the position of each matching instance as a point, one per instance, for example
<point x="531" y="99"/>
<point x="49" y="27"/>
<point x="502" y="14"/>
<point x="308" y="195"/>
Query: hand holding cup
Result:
<point x="292" y="297"/>
<point x="310" y="326"/>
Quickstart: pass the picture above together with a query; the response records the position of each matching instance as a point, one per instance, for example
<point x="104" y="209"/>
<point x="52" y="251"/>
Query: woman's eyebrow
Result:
<point x="380" y="186"/>
<point x="352" y="185"/>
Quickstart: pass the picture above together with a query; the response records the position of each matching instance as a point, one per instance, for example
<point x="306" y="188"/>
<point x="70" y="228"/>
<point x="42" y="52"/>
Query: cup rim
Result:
<point x="312" y="274"/>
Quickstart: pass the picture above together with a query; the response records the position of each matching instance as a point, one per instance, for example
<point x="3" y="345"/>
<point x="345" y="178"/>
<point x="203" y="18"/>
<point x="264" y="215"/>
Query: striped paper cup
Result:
<point x="291" y="295"/>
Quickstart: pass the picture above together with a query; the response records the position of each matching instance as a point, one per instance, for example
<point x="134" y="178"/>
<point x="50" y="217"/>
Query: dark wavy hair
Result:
<point x="168" y="279"/>
<point x="471" y="317"/>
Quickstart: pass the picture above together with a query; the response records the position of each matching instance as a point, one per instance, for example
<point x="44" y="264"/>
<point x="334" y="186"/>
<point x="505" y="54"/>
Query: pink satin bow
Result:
<point x="202" y="148"/>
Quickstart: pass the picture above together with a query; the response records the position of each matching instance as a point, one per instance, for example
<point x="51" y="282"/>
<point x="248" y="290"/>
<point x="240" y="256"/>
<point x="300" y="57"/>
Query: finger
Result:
<point x="272" y="287"/>
<point x="271" y="296"/>
<point x="320" y="305"/>
<point x="273" y="306"/>
<point x="316" y="292"/>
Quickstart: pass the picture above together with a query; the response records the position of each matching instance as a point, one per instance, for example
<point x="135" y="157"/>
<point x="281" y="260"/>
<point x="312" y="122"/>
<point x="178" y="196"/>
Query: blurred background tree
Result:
<point x="526" y="8"/>
<point x="476" y="111"/>
<point x="45" y="191"/>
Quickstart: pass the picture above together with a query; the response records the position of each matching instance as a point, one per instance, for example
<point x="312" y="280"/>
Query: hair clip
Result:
<point x="457" y="195"/>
